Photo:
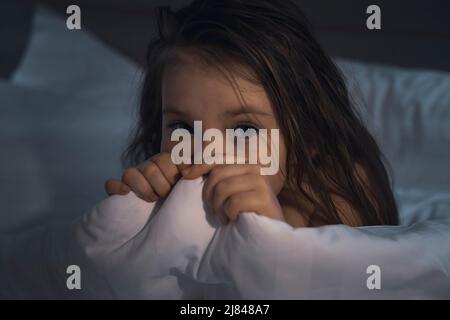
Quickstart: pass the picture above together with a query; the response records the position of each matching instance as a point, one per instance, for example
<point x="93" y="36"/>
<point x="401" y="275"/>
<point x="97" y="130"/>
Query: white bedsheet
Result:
<point x="128" y="248"/>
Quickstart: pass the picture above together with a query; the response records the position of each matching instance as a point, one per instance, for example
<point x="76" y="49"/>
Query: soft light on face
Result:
<point x="192" y="92"/>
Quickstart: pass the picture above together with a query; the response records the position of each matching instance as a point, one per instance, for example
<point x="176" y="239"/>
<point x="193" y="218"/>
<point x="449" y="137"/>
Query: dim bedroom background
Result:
<point x="68" y="100"/>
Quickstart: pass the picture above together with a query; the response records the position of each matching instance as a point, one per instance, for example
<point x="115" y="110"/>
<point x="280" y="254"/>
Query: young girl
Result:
<point x="254" y="64"/>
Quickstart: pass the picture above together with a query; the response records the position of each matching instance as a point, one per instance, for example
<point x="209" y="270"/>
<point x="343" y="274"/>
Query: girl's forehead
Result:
<point x="187" y="84"/>
<point x="225" y="70"/>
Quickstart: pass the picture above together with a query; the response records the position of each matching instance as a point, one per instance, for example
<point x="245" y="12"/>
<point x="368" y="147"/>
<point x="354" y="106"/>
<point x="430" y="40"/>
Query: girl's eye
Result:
<point x="247" y="129"/>
<point x="180" y="125"/>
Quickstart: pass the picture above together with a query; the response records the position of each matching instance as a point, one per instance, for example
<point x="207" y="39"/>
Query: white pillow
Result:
<point x="408" y="111"/>
<point x="64" y="120"/>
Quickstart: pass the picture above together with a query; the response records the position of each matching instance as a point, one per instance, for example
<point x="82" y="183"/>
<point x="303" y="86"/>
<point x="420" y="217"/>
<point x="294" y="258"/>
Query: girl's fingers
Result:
<point x="227" y="187"/>
<point x="156" y="179"/>
<point x="114" y="186"/>
<point x="167" y="167"/>
<point x="222" y="172"/>
<point x="197" y="170"/>
<point x="139" y="184"/>
<point x="241" y="202"/>
<point x="181" y="167"/>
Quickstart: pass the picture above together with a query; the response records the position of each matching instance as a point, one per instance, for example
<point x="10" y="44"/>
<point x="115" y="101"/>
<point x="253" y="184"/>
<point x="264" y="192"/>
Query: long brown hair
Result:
<point x="306" y="89"/>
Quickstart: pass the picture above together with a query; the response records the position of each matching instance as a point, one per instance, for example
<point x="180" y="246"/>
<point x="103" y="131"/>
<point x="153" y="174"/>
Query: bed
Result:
<point x="56" y="114"/>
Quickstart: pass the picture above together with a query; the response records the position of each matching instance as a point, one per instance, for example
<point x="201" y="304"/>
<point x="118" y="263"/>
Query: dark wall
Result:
<point x="15" y="24"/>
<point x="415" y="33"/>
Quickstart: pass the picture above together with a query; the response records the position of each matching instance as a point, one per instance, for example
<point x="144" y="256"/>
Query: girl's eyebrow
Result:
<point x="249" y="109"/>
<point x="172" y="110"/>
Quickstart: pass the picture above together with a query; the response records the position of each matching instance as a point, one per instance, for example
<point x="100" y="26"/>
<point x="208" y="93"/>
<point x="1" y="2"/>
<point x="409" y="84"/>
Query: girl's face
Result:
<point x="191" y="92"/>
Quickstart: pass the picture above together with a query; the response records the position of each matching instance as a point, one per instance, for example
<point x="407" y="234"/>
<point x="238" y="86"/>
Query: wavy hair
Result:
<point x="274" y="40"/>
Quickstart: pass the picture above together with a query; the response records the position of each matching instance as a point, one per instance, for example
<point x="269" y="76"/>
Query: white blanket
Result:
<point x="127" y="248"/>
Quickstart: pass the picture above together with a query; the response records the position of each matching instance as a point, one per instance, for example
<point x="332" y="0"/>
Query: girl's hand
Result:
<point x="232" y="189"/>
<point x="151" y="180"/>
